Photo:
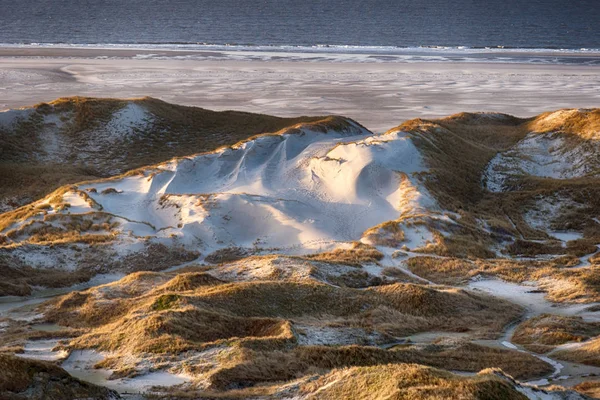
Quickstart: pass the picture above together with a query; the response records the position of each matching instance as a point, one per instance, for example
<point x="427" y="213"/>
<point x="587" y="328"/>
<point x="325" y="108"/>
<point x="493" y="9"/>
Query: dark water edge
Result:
<point x="532" y="24"/>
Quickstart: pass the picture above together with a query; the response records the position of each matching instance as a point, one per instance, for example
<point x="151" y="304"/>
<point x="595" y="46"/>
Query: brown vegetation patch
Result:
<point x="582" y="247"/>
<point x="18" y="278"/>
<point x="544" y="332"/>
<point x="173" y="328"/>
<point x="155" y="257"/>
<point x="456" y="357"/>
<point x="577" y="248"/>
<point x="588" y="353"/>
<point x="407" y="382"/>
<point x="259" y="367"/>
<point x="355" y="256"/>
<point x="30" y="379"/>
<point x="79" y="310"/>
<point x="110" y="191"/>
<point x="358" y="279"/>
<point x="527" y="248"/>
<point x="589" y="388"/>
<point x="463" y="242"/>
<point x="189" y="281"/>
<point x="563" y="284"/>
<point x="228" y="254"/>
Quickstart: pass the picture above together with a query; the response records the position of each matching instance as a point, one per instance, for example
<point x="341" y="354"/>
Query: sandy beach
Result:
<point x="380" y="95"/>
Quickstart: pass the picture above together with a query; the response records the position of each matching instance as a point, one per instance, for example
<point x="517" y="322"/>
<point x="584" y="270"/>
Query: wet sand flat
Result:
<point x="379" y="95"/>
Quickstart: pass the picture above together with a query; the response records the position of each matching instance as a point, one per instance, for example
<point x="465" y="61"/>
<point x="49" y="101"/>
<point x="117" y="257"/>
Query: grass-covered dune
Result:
<point x="227" y="335"/>
<point x="73" y="139"/>
<point x="22" y="379"/>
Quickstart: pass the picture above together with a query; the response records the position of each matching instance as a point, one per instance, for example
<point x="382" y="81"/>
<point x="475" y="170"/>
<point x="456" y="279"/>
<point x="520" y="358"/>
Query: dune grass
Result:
<point x="588" y="353"/>
<point x="166" y="317"/>
<point x="457" y="150"/>
<point x="406" y="382"/>
<point x="18" y="278"/>
<point x="174" y="131"/>
<point x="355" y="256"/>
<point x="162" y="313"/>
<point x="544" y="332"/>
<point x="265" y="367"/>
<point x="562" y="284"/>
<point x="456" y="356"/>
<point x="589" y="388"/>
<point x="228" y="254"/>
<point x="22" y="378"/>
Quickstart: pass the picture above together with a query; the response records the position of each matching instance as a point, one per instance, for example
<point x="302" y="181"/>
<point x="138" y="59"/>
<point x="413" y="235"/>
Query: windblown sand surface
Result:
<point x="377" y="94"/>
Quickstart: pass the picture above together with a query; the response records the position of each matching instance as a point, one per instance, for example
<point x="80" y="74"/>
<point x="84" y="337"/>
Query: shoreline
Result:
<point x="378" y="95"/>
<point x="18" y="48"/>
<point x="335" y="54"/>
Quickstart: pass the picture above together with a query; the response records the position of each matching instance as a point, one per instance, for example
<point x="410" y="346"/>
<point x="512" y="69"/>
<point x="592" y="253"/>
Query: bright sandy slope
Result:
<point x="298" y="190"/>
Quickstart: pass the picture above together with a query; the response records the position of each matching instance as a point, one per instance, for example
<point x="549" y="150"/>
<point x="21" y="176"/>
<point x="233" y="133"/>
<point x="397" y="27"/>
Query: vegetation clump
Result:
<point x="409" y="381"/>
<point x="30" y="379"/>
<point x="355" y="256"/>
<point x="545" y="332"/>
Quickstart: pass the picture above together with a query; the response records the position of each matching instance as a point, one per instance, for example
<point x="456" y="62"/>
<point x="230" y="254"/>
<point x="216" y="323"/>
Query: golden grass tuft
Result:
<point x="388" y="234"/>
<point x="588" y="353"/>
<point x="174" y="328"/>
<point x="589" y="388"/>
<point x="544" y="332"/>
<point x="407" y="382"/>
<point x="355" y="256"/>
<point x="189" y="281"/>
<point x="583" y="122"/>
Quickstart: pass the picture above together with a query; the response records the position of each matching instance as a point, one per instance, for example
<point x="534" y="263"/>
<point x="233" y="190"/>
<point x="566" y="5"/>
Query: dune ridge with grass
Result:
<point x="72" y="139"/>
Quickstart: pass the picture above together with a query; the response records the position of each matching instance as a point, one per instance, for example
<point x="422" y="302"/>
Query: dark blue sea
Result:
<point x="306" y="25"/>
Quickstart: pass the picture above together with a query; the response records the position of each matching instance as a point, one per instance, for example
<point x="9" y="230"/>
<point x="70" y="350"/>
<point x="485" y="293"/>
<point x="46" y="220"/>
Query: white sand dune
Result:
<point x="306" y="190"/>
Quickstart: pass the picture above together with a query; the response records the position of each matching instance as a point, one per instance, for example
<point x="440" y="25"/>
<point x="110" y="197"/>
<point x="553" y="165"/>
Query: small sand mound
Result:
<point x="190" y="281"/>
